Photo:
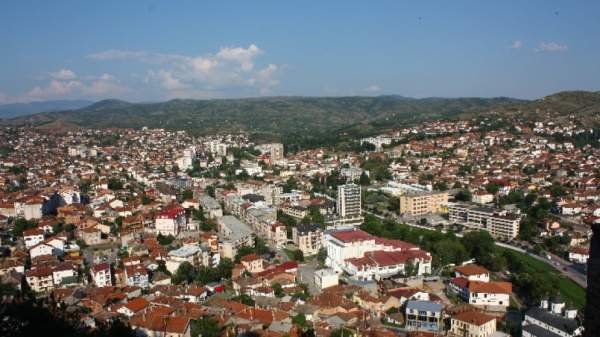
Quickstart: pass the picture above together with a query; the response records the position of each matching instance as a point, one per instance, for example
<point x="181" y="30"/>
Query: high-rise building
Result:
<point x="349" y="201"/>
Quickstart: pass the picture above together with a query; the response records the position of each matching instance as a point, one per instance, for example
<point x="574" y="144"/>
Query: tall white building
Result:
<point x="349" y="201"/>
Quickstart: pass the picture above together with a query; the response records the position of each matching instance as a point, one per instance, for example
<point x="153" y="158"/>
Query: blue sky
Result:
<point x="157" y="50"/>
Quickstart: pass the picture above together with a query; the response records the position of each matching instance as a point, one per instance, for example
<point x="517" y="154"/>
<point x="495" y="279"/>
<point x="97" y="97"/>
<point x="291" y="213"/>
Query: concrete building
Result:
<point x="551" y="319"/>
<point x="349" y="201"/>
<point x="499" y="223"/>
<point x="367" y="257"/>
<point x="421" y="203"/>
<point x="186" y="253"/>
<point x="210" y="206"/>
<point x="170" y="221"/>
<point x="423" y="315"/>
<point x="101" y="275"/>
<point x="233" y="234"/>
<point x="325" y="278"/>
<point x="308" y="238"/>
<point x="473" y="324"/>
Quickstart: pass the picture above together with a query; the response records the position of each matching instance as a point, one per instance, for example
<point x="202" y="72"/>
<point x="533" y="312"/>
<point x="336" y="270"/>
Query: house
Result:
<point x="40" y="279"/>
<point x="485" y="294"/>
<point x="134" y="306"/>
<point x="551" y="318"/>
<point x="137" y="276"/>
<point x="91" y="236"/>
<point x="186" y="253"/>
<point x="423" y="315"/>
<point x="32" y="209"/>
<point x="252" y="263"/>
<point x="210" y="206"/>
<point x="579" y="255"/>
<point x="308" y="238"/>
<point x="325" y="278"/>
<point x="170" y="221"/>
<point x="101" y="275"/>
<point x="472" y="272"/>
<point x="472" y="323"/>
<point x="64" y="273"/>
<point x="32" y="237"/>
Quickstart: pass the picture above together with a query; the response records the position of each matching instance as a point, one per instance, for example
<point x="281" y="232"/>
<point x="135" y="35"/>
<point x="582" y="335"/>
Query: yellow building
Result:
<point x="421" y="203"/>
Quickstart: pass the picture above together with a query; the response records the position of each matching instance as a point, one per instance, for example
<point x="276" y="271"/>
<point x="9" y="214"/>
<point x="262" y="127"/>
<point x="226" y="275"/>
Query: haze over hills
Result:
<point x="23" y="109"/>
<point x="300" y="115"/>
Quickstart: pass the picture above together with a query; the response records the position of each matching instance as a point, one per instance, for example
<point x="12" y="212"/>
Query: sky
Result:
<point x="146" y="51"/>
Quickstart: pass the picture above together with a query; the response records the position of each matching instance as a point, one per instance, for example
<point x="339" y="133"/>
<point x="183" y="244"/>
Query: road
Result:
<point x="564" y="267"/>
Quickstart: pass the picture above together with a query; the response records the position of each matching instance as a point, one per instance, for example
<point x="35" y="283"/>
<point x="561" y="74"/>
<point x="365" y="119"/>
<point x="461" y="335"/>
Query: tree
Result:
<point x="114" y="184"/>
<point x="165" y="240"/>
<point x="409" y="269"/>
<point x="480" y="245"/>
<point x="278" y="290"/>
<point x="300" y="320"/>
<point x="290" y="184"/>
<point x="205" y="327"/>
<point x="187" y="194"/>
<point x="298" y="255"/>
<point x="185" y="273"/>
<point x="364" y="179"/>
<point x="21" y="225"/>
<point x="463" y="195"/>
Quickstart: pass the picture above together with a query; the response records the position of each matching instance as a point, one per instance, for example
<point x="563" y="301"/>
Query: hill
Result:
<point x="276" y="115"/>
<point x="307" y="118"/>
<point x="24" y="109"/>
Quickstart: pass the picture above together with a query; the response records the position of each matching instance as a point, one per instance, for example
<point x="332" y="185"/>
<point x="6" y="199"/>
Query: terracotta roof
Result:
<point x="471" y="269"/>
<point x="473" y="317"/>
<point x="177" y="324"/>
<point x="490" y="287"/>
<point x="137" y="304"/>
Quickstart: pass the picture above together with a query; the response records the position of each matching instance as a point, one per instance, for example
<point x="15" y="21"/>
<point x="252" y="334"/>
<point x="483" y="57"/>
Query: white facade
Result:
<point x="325" y="278"/>
<point x="349" y="201"/>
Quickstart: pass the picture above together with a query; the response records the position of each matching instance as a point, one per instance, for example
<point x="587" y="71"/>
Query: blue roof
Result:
<point x="424" y="306"/>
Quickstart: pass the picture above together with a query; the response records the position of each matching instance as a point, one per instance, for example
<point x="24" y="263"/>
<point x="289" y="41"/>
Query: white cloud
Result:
<point x="229" y="68"/>
<point x="64" y="74"/>
<point x="517" y="44"/>
<point x="66" y="84"/>
<point x="373" y="88"/>
<point x="551" y="47"/>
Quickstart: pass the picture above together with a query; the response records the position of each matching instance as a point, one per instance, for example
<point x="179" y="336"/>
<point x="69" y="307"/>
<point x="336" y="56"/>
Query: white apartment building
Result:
<point x="499" y="223"/>
<point x="349" y="201"/>
<point x="101" y="275"/>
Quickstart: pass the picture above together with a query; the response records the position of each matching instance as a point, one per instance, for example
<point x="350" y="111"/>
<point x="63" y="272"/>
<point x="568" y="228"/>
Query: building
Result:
<point x="579" y="255"/>
<point x="308" y="238"/>
<point x="170" y="221"/>
<point x="233" y="234"/>
<point x="349" y="201"/>
<point x="186" y="253"/>
<point x="424" y="202"/>
<point x="32" y="237"/>
<point x="367" y="257"/>
<point x="40" y="279"/>
<point x="137" y="275"/>
<point x="473" y="324"/>
<point x="423" y="315"/>
<point x="499" y="223"/>
<point x="493" y="295"/>
<point x="210" y="206"/>
<point x="325" y="278"/>
<point x="101" y="275"/>
<point x="252" y="263"/>
<point x="551" y="319"/>
<point x="472" y="272"/>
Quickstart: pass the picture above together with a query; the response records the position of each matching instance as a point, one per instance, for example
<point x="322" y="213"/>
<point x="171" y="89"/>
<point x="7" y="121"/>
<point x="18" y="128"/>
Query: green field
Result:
<point x="571" y="291"/>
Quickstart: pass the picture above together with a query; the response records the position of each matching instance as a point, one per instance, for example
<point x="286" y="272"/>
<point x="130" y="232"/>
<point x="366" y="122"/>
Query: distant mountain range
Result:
<point x="24" y="109"/>
<point x="299" y="116"/>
